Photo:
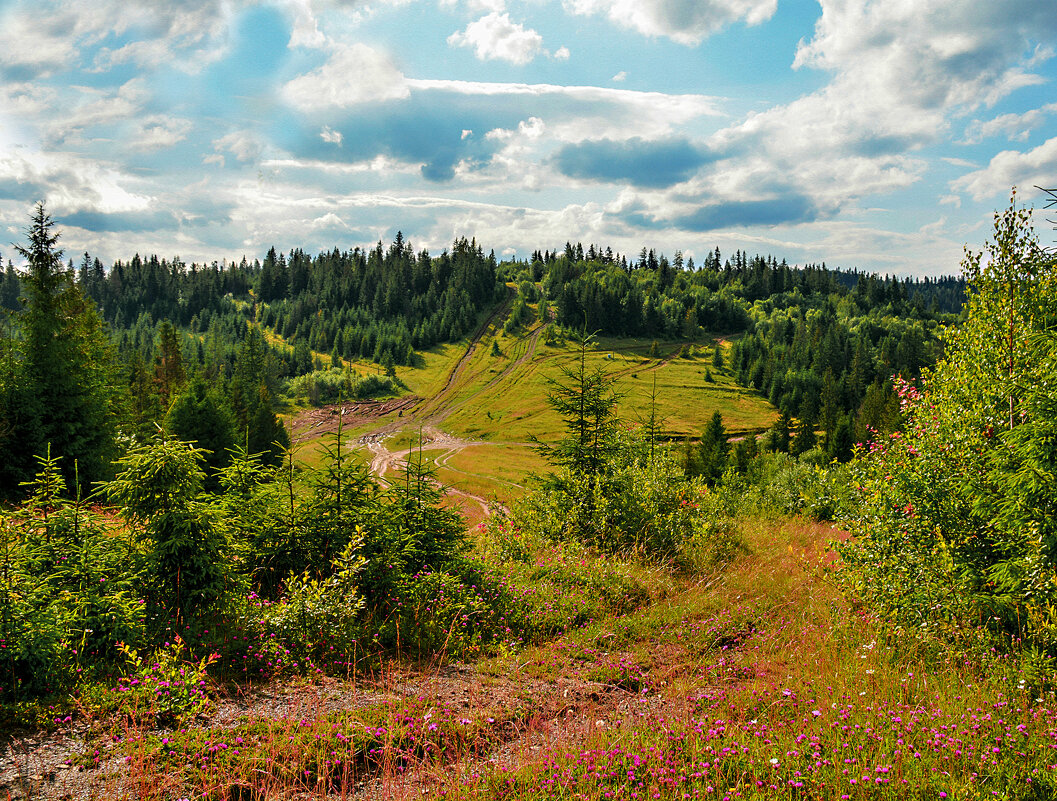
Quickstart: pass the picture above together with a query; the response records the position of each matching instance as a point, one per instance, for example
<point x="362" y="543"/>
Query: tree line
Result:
<point x="94" y="356"/>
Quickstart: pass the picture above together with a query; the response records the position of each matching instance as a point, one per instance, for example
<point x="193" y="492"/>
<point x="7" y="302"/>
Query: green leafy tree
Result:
<point x="956" y="522"/>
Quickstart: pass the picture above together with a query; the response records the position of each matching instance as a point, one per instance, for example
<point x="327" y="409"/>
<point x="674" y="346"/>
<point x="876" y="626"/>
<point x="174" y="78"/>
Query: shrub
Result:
<point x="956" y="516"/>
<point x="70" y="591"/>
<point x="317" y="615"/>
<point x="331" y="385"/>
<point x="166" y="687"/>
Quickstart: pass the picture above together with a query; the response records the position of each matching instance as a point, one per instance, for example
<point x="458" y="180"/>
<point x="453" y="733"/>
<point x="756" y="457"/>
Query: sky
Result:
<point x="880" y="135"/>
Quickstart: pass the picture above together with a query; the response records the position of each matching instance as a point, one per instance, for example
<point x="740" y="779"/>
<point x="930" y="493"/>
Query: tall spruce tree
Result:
<point x="585" y="398"/>
<point x="63" y="387"/>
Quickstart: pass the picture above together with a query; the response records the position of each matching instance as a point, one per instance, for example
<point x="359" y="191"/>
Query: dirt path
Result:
<point x="433" y="410"/>
<point x="314" y="423"/>
<point x="383" y="460"/>
<point x="530" y="350"/>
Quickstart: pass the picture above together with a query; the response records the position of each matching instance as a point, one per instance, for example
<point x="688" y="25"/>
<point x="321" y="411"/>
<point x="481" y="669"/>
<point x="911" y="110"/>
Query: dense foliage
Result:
<point x="823" y="345"/>
<point x="954" y="522"/>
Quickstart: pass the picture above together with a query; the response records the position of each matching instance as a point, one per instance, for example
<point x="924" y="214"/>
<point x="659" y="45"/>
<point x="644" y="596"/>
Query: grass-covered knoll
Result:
<point x="504" y="397"/>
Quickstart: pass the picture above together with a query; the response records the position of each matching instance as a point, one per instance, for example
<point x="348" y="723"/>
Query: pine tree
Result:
<point x="64" y="386"/>
<point x="169" y="374"/>
<point x="804" y="439"/>
<point x="585" y="399"/>
<point x="200" y="416"/>
<point x="713" y="450"/>
<point x="10" y="289"/>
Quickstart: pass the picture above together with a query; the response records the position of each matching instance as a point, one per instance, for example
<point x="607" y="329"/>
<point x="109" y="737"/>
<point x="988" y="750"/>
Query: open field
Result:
<point x="496" y="405"/>
<point x="504" y="398"/>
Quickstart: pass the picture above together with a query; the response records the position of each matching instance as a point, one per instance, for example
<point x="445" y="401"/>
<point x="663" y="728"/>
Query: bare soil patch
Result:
<point x="314" y="423"/>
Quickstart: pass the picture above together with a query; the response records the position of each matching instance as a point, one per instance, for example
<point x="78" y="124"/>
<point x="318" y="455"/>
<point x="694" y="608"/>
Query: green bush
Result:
<point x="333" y="384"/>
<point x="955" y="522"/>
<point x="159" y="488"/>
<point x="808" y="485"/>
<point x="315" y="616"/>
<point x="70" y="592"/>
<point x="168" y="688"/>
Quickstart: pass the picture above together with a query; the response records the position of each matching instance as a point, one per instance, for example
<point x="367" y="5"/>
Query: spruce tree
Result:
<point x="201" y="416"/>
<point x="585" y="398"/>
<point x="63" y="389"/>
<point x="714" y="450"/>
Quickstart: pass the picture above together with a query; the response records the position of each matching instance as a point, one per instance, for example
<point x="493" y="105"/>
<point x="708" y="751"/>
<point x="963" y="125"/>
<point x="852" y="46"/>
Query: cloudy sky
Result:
<point x="878" y="134"/>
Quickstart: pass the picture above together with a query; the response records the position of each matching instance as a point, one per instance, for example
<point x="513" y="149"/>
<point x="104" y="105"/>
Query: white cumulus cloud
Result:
<point x="243" y="145"/>
<point x="330" y="136"/>
<point x="495" y="37"/>
<point x="160" y="131"/>
<point x="901" y="72"/>
<point x="685" y="21"/>
<point x="1016" y="127"/>
<point x="1011" y="167"/>
<point x="354" y="74"/>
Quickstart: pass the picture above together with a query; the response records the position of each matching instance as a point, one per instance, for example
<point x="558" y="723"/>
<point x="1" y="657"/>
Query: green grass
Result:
<point x="503" y="399"/>
<point x="762" y="683"/>
<point x="755" y="682"/>
<point x="511" y="464"/>
<point x="495" y="398"/>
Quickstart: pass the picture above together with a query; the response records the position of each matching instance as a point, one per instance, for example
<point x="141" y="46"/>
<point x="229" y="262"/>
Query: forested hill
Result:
<point x="377" y="304"/>
<point x="657" y="297"/>
<point x="821" y="344"/>
<point x="382" y="304"/>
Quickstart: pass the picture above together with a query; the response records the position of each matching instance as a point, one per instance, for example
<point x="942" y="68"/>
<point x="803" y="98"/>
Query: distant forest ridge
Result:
<point x="180" y="291"/>
<point x="384" y="304"/>
<point x="822" y="345"/>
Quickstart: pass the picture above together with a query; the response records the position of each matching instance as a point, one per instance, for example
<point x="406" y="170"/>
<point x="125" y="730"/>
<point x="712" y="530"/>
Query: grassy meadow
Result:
<point x="731" y="666"/>
<point x="755" y="682"/>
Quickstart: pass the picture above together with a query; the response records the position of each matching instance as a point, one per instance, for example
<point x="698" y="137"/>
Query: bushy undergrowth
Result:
<point x="333" y="384"/>
<point x="777" y="483"/>
<point x="954" y="517"/>
<point x="640" y="504"/>
<point x="281" y="570"/>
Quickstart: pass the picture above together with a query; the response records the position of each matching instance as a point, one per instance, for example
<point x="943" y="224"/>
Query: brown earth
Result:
<point x="314" y="423"/>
